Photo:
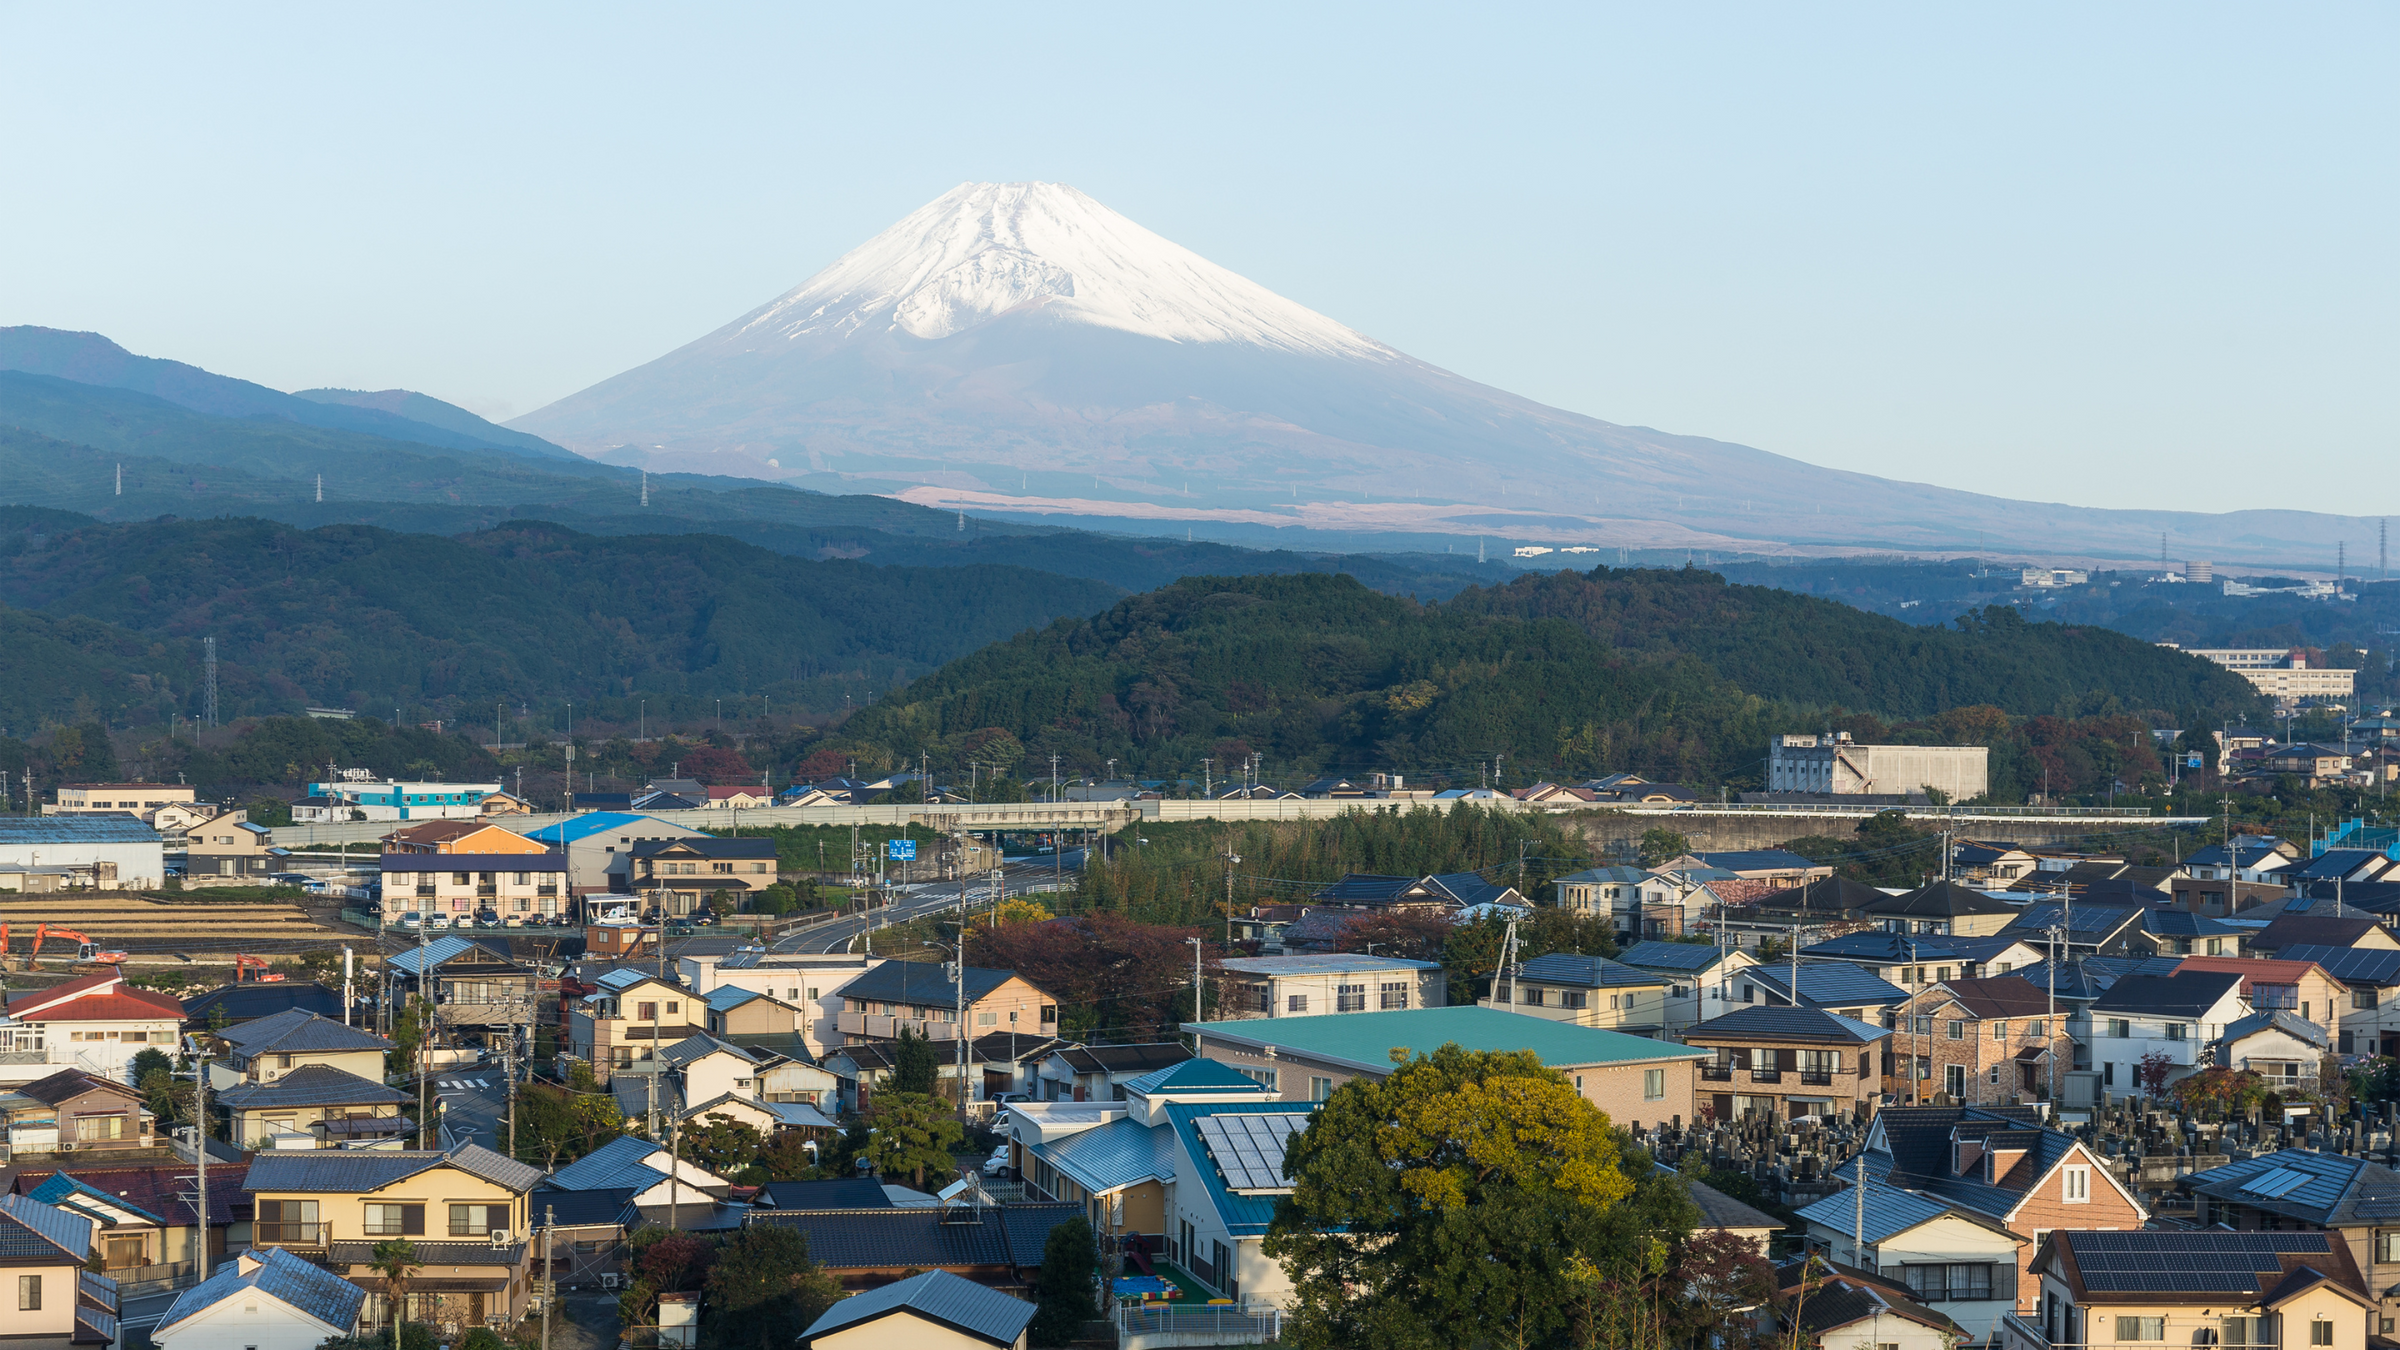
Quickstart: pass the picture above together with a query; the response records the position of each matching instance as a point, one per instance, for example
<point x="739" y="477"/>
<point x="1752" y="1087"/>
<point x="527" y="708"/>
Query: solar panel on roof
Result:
<point x="1249" y="1149"/>
<point x="2281" y="1181"/>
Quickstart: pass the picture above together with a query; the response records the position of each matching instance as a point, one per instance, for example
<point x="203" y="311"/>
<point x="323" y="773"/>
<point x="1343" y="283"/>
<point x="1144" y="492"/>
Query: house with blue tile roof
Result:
<point x="267" y="1300"/>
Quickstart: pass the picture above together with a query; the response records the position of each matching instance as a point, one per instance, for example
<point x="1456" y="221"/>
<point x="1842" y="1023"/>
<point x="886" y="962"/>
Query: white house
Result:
<point x="1311" y="985"/>
<point x="2279" y="1045"/>
<point x="1689" y="968"/>
<point x="2173" y="1016"/>
<point x="1909" y="1234"/>
<point x="262" y="1300"/>
<point x="809" y="981"/>
<point x="93" y="1023"/>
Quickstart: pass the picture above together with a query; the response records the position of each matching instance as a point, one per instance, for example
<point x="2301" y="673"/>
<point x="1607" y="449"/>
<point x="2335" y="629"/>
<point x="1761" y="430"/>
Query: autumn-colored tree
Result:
<point x="715" y="765"/>
<point x="2220" y="1092"/>
<point x="1457" y="1152"/>
<point x="1111" y="975"/>
<point x="822" y="764"/>
<point x="1410" y="936"/>
<point x="2151" y="1071"/>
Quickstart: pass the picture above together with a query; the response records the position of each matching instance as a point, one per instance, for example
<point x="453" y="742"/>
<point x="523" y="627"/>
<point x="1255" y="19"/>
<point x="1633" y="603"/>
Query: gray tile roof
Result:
<point x="1941" y="899"/>
<point x="344" y="1171"/>
<point x="1769" y="1023"/>
<point x="2188" y="994"/>
<point x="2289" y="1023"/>
<point x="921" y="982"/>
<point x="1692" y="956"/>
<point x="2337" y="1191"/>
<point x="295" y="1031"/>
<point x="2090" y="923"/>
<point x="582" y="1209"/>
<point x="1588" y="972"/>
<point x="615" y="1165"/>
<point x="311" y="1085"/>
<point x="853" y="1239"/>
<point x="937" y="1295"/>
<point x="248" y="1002"/>
<point x="1890" y="1211"/>
<point x="31" y="1229"/>
<point x="1829" y="984"/>
<point x="1719" y="1210"/>
<point x="307" y="1288"/>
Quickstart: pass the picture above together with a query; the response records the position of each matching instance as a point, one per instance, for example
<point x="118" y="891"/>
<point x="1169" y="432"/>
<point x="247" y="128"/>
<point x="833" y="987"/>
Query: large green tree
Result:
<point x="763" y="1291"/>
<point x="914" y="1067"/>
<point x="913" y="1135"/>
<point x="1462" y="1201"/>
<point x="1066" y="1291"/>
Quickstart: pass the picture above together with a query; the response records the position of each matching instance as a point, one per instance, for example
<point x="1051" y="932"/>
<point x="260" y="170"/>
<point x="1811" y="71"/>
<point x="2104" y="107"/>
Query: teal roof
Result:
<point x="585" y="826"/>
<point x="1242" y="1215"/>
<point x="61" y="1189"/>
<point x="1367" y="1039"/>
<point x="1194" y="1075"/>
<point x="1114" y="1155"/>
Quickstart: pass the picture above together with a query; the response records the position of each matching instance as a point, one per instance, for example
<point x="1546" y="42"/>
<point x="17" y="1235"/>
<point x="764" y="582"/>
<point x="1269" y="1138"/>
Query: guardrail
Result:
<point x="1228" y="1325"/>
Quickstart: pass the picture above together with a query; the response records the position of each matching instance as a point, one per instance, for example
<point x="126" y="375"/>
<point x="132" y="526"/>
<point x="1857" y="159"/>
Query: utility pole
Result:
<point x="349" y="991"/>
<point x="209" y="700"/>
<point x="510" y="1063"/>
<point x="200" y="1149"/>
<point x="1232" y="860"/>
<point x="1197" y="1013"/>
<point x="960" y="975"/>
<point x="549" y="1276"/>
<point x="425" y="1135"/>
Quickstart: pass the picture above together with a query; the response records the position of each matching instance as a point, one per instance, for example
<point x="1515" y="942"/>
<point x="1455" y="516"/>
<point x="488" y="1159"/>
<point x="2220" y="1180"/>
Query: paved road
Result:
<point x="1018" y="877"/>
<point x="471" y="1099"/>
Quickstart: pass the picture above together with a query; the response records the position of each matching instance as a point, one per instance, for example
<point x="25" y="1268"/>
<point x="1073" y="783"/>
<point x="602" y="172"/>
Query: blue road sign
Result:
<point x="2192" y="761"/>
<point x="900" y="850"/>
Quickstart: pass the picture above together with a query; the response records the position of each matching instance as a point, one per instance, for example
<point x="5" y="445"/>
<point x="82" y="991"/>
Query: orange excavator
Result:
<point x="85" y="948"/>
<point x="253" y="970"/>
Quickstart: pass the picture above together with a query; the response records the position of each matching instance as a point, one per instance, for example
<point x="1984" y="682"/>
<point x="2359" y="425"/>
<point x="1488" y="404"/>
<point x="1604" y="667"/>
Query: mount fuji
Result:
<point x="1020" y="347"/>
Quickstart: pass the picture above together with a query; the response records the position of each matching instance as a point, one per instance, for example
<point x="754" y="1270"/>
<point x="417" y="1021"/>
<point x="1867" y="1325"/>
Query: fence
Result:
<point x="1222" y="1325"/>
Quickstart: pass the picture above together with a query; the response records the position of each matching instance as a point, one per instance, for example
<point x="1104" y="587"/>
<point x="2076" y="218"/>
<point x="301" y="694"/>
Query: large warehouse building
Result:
<point x="1839" y="766"/>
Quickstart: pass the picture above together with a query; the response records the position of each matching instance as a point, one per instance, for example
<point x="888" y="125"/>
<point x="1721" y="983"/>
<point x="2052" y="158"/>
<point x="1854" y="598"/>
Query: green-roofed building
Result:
<point x="1636" y="1080"/>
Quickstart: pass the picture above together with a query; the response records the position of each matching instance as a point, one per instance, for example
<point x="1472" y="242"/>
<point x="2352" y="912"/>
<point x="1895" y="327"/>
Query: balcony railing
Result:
<point x="1817" y="1077"/>
<point x="1209" y="1324"/>
<point x="1766" y="1075"/>
<point x="288" y="1234"/>
<point x="1716" y="1073"/>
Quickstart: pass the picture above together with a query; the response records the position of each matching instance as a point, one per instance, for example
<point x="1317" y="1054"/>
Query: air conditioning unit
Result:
<point x="608" y="1279"/>
<point x="500" y="1237"/>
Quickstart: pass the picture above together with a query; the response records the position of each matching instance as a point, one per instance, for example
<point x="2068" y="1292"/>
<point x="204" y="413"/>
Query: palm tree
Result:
<point x="395" y="1261"/>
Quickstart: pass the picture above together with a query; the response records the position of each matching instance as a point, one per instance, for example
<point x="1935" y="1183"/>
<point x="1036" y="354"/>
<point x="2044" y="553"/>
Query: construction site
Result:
<point x="150" y="936"/>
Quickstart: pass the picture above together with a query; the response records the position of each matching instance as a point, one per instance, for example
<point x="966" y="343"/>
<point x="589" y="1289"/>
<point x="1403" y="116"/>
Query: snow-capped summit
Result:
<point x="982" y="250"/>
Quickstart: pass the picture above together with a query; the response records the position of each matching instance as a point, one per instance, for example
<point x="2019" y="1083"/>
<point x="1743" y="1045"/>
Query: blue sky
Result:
<point x="2129" y="255"/>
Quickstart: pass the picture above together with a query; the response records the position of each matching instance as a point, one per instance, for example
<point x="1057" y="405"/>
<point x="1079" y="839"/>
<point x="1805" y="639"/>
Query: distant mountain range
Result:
<point x="1020" y="347"/>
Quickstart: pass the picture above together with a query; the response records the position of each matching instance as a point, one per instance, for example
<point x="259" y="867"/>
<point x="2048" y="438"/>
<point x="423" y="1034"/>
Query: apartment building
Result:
<point x="462" y="887"/>
<point x="923" y="997"/>
<point x="1589" y="991"/>
<point x="1785" y="1063"/>
<point x="1988" y="1042"/>
<point x="629" y="1019"/>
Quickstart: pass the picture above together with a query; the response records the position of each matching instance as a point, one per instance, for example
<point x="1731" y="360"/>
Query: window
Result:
<point x="477" y="1220"/>
<point x="1049" y="1011"/>
<point x="1295" y="1003"/>
<point x="2075" y="1185"/>
<point x="1924" y="1026"/>
<point x="1958" y="1031"/>
<point x="1993" y="1075"/>
<point x="2320" y="1332"/>
<point x="2108" y="1074"/>
<point x="29" y="1293"/>
<point x="2141" y="1328"/>
<point x="1954" y="1079"/>
<point x="674" y="1008"/>
<point x="2387" y="1246"/>
<point x="2362" y="998"/>
<point x="2119" y="1028"/>
<point x="91" y="1129"/>
<point x="458" y="878"/>
<point x="1950" y="1283"/>
<point x="724" y="867"/>
<point x="395" y="1220"/>
<point x="1350" y="998"/>
<point x="2176" y="1030"/>
<point x="1395" y="995"/>
<point x="2245" y="1331"/>
<point x="1266" y="1076"/>
<point x="1654" y="1085"/>
<point x="1319" y="1089"/>
<point x="648" y="1012"/>
<point x="1999" y="1031"/>
<point x="1531" y="998"/>
<point x="987" y="1019"/>
<point x="1574" y="998"/>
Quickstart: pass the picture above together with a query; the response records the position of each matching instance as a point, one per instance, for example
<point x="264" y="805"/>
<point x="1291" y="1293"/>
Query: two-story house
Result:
<point x="96" y="1023"/>
<point x="2371" y="1016"/>
<point x="1942" y="909"/>
<point x="1613" y="892"/>
<point x="314" y="1107"/>
<point x="1996" y="1164"/>
<point x="58" y="1303"/>
<point x="1313" y="984"/>
<point x="464" y="1209"/>
<point x="1688" y="968"/>
<point x="809" y="981"/>
<point x="2177" y="1288"/>
<point x="1784" y="1063"/>
<point x="1835" y="986"/>
<point x="229" y="849"/>
<point x="152" y="1226"/>
<point x="264" y="1049"/>
<point x="2167" y="1020"/>
<point x="923" y="997"/>
<point x="1988" y="1042"/>
<point x="2303" y="1189"/>
<point x="629" y="1018"/>
<point x="2365" y="931"/>
<point x="1099" y="1073"/>
<point x="1959" y="1264"/>
<point x="1589" y="991"/>
<point x="681" y="875"/>
<point x="479" y="993"/>
<point x="78" y="1113"/>
<point x="1911" y="962"/>
<point x="2285" y="984"/>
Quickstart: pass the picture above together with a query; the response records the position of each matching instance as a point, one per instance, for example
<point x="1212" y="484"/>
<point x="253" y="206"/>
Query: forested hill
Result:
<point x="1321" y="672"/>
<point x="357" y="617"/>
<point x="1800" y="648"/>
<point x="1320" y="675"/>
